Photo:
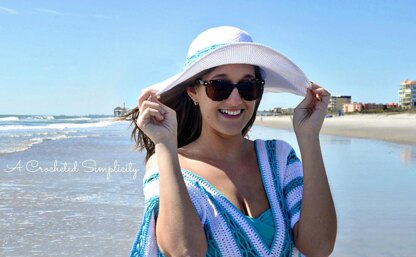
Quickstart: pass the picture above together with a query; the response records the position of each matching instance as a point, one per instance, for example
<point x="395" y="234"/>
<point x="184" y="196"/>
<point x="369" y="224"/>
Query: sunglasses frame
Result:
<point x="258" y="83"/>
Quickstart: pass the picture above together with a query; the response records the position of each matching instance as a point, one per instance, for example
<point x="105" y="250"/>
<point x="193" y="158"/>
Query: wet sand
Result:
<point x="398" y="128"/>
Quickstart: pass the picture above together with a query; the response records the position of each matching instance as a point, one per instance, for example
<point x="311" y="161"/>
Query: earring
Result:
<point x="195" y="103"/>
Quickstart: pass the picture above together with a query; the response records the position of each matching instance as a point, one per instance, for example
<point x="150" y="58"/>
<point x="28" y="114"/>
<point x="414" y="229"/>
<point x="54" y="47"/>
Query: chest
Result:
<point x="241" y="184"/>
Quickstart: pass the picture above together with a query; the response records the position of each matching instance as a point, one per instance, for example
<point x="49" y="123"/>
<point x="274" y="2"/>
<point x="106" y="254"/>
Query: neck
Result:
<point x="221" y="147"/>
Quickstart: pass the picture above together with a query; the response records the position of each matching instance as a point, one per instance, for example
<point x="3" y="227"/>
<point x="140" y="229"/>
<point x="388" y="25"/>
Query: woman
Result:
<point x="209" y="190"/>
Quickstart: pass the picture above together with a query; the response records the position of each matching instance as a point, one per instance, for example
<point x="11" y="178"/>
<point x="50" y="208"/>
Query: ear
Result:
<point x="191" y="91"/>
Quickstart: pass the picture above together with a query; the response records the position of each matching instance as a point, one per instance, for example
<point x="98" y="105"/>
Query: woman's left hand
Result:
<point x="309" y="115"/>
<point x="316" y="230"/>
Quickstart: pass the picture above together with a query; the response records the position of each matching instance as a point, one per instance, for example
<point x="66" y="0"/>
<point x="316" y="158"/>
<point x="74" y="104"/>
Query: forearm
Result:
<point x="178" y="229"/>
<point x="317" y="225"/>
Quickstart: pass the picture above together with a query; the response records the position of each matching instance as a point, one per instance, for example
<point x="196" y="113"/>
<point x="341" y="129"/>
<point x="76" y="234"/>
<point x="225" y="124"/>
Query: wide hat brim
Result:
<point x="280" y="73"/>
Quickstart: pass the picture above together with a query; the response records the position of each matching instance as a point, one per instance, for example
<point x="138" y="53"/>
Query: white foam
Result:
<point x="57" y="126"/>
<point x="78" y="119"/>
<point x="49" y="117"/>
<point x="11" y="118"/>
<point x="14" y="149"/>
<point x="27" y="144"/>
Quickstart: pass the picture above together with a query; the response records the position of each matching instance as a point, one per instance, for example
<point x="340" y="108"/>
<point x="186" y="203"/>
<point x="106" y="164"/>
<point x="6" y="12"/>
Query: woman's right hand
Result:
<point x="156" y="120"/>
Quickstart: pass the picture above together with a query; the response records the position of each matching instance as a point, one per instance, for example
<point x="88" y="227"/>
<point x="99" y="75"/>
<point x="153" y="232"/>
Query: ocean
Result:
<point x="71" y="186"/>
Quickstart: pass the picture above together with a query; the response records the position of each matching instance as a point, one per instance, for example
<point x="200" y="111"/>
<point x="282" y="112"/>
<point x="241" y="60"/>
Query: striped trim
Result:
<point x="297" y="182"/>
<point x="295" y="208"/>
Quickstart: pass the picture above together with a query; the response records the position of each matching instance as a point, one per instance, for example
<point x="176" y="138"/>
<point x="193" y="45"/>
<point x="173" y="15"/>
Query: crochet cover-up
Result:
<point x="264" y="226"/>
<point x="228" y="231"/>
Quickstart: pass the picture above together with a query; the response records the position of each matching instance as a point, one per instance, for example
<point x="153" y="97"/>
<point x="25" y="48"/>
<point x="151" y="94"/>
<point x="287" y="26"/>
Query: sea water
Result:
<point x="373" y="186"/>
<point x="71" y="186"/>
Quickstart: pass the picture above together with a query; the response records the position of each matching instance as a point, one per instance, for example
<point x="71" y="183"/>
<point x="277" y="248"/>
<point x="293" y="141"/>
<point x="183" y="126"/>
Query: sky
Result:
<point x="87" y="57"/>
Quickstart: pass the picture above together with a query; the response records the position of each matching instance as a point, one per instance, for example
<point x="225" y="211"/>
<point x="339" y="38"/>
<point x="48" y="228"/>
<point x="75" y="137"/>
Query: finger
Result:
<point x="321" y="93"/>
<point x="314" y="85"/>
<point x="318" y="89"/>
<point x="166" y="109"/>
<point x="154" y="114"/>
<point x="149" y="116"/>
<point x="149" y="104"/>
<point x="145" y="95"/>
<point x="308" y="100"/>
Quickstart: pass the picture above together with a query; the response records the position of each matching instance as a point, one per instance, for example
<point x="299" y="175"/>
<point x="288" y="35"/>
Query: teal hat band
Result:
<point x="191" y="59"/>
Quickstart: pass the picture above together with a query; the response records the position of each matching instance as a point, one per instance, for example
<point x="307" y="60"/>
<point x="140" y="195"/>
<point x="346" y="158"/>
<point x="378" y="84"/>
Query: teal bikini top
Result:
<point x="264" y="226"/>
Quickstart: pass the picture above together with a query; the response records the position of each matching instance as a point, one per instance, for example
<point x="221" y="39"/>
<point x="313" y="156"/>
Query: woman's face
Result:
<point x="229" y="116"/>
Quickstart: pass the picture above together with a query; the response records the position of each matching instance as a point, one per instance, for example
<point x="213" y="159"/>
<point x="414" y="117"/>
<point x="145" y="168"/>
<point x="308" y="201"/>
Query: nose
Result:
<point x="234" y="98"/>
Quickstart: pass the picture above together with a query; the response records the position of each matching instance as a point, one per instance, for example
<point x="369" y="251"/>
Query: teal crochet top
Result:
<point x="228" y="231"/>
<point x="263" y="225"/>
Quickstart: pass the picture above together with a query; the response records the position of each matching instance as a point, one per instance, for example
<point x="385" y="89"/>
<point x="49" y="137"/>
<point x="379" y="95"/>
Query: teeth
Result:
<point x="228" y="112"/>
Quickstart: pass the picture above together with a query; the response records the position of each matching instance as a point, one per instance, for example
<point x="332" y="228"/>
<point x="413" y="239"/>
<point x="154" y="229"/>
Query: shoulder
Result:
<point x="275" y="145"/>
<point x="151" y="164"/>
<point x="276" y="151"/>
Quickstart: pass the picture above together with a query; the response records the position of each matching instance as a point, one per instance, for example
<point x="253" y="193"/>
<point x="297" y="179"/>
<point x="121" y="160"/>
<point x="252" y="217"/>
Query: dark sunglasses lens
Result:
<point x="248" y="90"/>
<point x="219" y="90"/>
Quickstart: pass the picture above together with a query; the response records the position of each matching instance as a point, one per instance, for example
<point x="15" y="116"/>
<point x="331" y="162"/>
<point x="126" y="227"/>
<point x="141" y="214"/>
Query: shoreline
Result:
<point x="397" y="128"/>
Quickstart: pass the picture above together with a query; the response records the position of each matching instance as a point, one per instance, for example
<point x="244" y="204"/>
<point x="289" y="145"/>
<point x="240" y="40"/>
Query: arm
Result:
<point x="178" y="229"/>
<point x="315" y="232"/>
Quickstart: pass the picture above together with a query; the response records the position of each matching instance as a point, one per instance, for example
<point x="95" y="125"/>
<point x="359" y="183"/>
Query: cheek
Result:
<point x="251" y="105"/>
<point x="207" y="107"/>
<point x="250" y="109"/>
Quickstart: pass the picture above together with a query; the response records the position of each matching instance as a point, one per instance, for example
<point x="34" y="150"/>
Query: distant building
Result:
<point x="374" y="106"/>
<point x="353" y="107"/>
<point x="358" y="107"/>
<point x="288" y="110"/>
<point x="336" y="103"/>
<point x="392" y="106"/>
<point x="119" y="111"/>
<point x="277" y="110"/>
<point x="407" y="94"/>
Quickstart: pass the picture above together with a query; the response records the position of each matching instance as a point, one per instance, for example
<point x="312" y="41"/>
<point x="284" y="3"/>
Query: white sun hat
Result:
<point x="229" y="45"/>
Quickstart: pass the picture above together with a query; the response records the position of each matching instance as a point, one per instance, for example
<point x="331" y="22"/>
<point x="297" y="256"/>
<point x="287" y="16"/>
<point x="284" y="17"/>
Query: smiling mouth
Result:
<point x="231" y="112"/>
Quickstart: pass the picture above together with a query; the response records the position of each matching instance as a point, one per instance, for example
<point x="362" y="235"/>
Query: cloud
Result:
<point x="8" y="10"/>
<point x="49" y="11"/>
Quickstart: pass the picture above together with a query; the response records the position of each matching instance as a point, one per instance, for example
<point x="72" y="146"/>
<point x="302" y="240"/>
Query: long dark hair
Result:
<point x="187" y="113"/>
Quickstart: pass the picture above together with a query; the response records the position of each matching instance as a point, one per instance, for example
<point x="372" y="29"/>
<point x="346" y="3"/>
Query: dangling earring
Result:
<point x="195" y="103"/>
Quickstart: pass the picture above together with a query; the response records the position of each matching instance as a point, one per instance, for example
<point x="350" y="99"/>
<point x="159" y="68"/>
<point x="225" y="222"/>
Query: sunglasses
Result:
<point x="219" y="90"/>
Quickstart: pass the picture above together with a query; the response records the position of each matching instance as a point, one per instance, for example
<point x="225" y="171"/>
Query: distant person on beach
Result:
<point x="209" y="190"/>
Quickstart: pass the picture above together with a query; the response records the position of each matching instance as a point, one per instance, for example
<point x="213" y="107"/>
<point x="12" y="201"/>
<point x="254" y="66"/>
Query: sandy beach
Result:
<point x="398" y="128"/>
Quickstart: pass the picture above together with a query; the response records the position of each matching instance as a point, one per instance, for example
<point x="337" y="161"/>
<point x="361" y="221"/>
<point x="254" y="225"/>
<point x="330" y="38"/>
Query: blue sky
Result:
<point x="87" y="57"/>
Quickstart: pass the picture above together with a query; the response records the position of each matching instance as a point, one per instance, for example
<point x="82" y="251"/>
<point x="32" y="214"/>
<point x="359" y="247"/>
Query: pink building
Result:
<point x="353" y="107"/>
<point x="392" y="105"/>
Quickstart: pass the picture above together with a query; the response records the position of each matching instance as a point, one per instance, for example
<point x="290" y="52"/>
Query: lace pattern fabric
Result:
<point x="228" y="231"/>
